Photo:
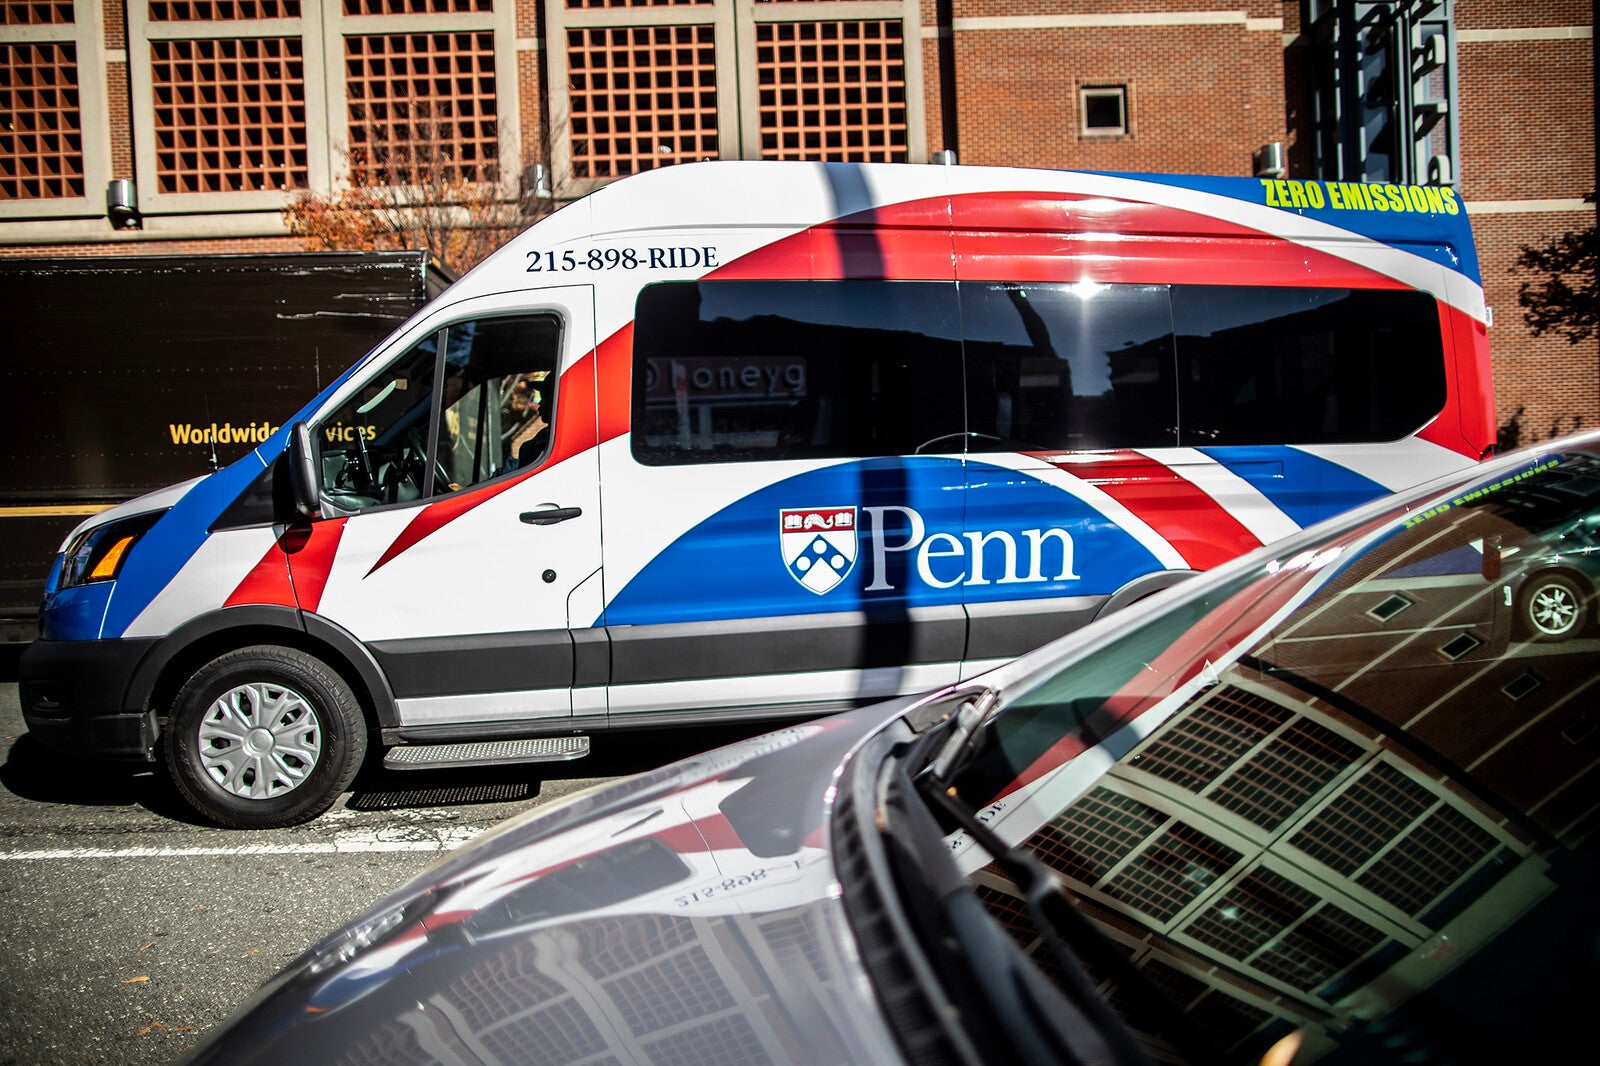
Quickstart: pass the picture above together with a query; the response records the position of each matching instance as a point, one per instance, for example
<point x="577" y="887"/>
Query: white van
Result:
<point x="735" y="440"/>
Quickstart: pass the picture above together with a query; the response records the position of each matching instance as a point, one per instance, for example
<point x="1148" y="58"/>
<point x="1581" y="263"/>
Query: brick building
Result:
<point x="216" y="111"/>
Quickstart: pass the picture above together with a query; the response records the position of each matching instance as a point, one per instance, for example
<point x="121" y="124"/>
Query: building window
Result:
<point x="41" y="146"/>
<point x="230" y="115"/>
<point x="1103" y="110"/>
<point x="639" y="84"/>
<point x="641" y="97"/>
<point x="832" y="90"/>
<point x="421" y="105"/>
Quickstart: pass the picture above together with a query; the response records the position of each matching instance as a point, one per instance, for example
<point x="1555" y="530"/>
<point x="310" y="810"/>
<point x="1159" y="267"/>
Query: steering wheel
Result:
<point x="418" y="458"/>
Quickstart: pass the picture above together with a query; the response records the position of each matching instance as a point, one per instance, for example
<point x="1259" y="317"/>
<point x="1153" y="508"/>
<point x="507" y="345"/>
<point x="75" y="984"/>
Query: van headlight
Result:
<point x="97" y="554"/>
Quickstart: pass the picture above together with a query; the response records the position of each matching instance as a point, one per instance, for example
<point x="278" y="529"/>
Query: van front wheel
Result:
<point x="264" y="737"/>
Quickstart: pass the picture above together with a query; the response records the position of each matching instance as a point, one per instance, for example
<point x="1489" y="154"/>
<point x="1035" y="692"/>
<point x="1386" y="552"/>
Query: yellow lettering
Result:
<point x="1272" y="192"/>
<point x="1397" y="199"/>
<point x="1314" y="193"/>
<point x="1297" y="196"/>
<point x="1449" y="198"/>
<point x="1435" y="201"/>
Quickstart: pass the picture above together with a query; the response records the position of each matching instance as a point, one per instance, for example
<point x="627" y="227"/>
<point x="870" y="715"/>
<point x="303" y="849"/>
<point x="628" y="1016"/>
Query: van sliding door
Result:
<point x="1064" y="382"/>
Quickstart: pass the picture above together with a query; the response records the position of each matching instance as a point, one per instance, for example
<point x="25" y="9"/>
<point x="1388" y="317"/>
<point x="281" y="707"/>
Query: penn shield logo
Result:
<point x="819" y="545"/>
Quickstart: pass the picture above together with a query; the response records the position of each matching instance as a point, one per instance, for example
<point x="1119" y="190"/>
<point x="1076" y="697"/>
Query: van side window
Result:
<point x="498" y="398"/>
<point x="1305" y="366"/>
<point x="495" y="398"/>
<point x="1069" y="367"/>
<point x="730" y="371"/>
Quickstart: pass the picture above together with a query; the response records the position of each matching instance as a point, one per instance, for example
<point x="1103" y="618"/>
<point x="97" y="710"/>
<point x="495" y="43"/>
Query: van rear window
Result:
<point x="750" y="370"/>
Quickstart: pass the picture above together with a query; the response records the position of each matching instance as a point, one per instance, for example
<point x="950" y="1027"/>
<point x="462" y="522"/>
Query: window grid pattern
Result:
<point x="1171" y="872"/>
<point x="505" y="985"/>
<point x="1326" y="943"/>
<point x="1430" y="858"/>
<point x="388" y="1043"/>
<point x="1372" y="810"/>
<point x="417" y="7"/>
<point x="1251" y="913"/>
<point x="230" y="115"/>
<point x="1294" y="766"/>
<point x="682" y="985"/>
<point x="641" y="97"/>
<point x="1181" y="989"/>
<point x="221" y="10"/>
<point x="1087" y="839"/>
<point x="1010" y="911"/>
<point x="611" y="947"/>
<point x="1227" y="1020"/>
<point x="832" y="90"/>
<point x="794" y="938"/>
<point x="557" y="1032"/>
<point x="726" y="1041"/>
<point x="422" y="107"/>
<point x="1201" y="747"/>
<point x="22" y="13"/>
<point x="41" y="146"/>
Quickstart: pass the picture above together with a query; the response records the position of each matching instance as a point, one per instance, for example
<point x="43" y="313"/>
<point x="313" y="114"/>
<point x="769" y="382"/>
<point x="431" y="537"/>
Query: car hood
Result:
<point x="687" y="914"/>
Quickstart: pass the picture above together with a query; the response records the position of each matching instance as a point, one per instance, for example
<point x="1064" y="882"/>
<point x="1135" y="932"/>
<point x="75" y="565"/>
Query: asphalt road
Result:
<point x="127" y="928"/>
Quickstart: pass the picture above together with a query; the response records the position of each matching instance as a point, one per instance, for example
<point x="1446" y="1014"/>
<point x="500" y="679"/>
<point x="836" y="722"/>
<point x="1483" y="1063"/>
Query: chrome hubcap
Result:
<point x="260" y="740"/>
<point x="1554" y="610"/>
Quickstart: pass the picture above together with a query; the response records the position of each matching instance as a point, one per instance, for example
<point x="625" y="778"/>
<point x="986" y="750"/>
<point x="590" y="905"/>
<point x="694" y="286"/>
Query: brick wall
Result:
<point x="1527" y="134"/>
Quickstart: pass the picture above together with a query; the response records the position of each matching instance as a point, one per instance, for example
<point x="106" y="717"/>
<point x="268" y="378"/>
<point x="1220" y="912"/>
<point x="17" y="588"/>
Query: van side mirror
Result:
<point x="303" y="474"/>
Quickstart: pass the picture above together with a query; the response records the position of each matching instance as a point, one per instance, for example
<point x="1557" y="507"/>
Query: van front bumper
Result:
<point x="74" y="697"/>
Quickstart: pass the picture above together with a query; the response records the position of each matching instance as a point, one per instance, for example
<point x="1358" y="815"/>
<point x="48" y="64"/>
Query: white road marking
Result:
<point x="350" y="842"/>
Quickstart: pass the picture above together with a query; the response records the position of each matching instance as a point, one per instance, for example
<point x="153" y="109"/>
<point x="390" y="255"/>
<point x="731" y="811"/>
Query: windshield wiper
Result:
<point x="1056" y="917"/>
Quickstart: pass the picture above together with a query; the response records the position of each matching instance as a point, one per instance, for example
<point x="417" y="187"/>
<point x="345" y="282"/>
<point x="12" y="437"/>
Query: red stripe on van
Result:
<point x="1469" y="427"/>
<point x="1198" y="527"/>
<point x="313" y="562"/>
<point x="267" y="583"/>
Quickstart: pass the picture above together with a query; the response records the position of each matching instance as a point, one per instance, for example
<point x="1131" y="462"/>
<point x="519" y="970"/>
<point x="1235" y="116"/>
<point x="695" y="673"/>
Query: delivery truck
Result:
<point x="128" y="373"/>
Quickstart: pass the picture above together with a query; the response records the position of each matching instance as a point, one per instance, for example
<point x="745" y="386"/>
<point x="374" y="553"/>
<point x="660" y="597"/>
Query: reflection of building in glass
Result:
<point x="1266" y="853"/>
<point x="639" y="988"/>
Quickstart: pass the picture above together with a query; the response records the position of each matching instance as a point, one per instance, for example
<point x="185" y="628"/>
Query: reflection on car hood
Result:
<point x="689" y="914"/>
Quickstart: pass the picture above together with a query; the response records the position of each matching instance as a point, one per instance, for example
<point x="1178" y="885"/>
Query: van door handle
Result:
<point x="550" y="516"/>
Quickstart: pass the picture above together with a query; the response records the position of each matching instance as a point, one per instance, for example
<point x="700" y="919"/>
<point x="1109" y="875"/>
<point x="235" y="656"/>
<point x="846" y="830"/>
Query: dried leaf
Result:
<point x="147" y="947"/>
<point x="136" y="980"/>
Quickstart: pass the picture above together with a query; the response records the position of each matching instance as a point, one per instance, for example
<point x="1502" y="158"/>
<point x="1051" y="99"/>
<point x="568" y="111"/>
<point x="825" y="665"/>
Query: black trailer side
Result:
<point x="121" y="375"/>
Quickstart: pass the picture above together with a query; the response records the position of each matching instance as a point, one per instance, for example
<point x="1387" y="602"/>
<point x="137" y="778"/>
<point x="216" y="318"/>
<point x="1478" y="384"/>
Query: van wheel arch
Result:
<point x="204" y="639"/>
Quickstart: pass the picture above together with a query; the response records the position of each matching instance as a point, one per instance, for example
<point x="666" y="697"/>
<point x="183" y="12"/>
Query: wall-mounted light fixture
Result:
<point x="122" y="204"/>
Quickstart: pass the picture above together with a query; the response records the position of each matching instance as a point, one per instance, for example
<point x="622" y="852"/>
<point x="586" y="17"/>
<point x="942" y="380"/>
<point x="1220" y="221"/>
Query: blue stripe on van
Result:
<point x="172" y="542"/>
<point x="1437" y="235"/>
<point x="1303" y="486"/>
<point x="732" y="564"/>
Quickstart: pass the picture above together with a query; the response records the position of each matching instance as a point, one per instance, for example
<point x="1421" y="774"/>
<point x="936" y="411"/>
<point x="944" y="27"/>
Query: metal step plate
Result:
<point x="485" y="753"/>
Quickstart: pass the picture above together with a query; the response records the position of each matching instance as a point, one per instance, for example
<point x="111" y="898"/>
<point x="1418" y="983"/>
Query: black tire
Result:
<point x="264" y="737"/>
<point x="1553" y="607"/>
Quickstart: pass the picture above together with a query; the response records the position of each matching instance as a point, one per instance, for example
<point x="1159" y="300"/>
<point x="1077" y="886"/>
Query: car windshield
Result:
<point x="1348" y="792"/>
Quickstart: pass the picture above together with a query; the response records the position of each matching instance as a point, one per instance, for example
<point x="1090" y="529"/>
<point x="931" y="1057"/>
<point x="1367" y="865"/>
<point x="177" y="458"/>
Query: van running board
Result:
<point x="485" y="753"/>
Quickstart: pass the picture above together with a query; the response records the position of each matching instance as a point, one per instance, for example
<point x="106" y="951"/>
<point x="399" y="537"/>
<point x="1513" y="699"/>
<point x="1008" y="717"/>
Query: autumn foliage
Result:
<point x="415" y="190"/>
